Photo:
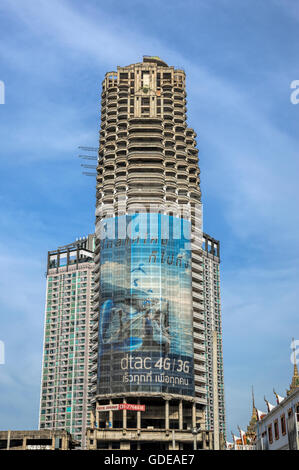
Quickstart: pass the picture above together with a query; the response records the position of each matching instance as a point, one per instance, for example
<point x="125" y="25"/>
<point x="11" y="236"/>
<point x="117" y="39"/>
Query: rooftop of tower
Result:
<point x="155" y="60"/>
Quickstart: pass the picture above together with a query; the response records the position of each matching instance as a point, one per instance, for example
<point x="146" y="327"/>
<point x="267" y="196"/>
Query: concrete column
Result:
<point x="77" y="255"/>
<point x="211" y="440"/>
<point x="166" y="414"/>
<point x="97" y="419"/>
<point x="67" y="259"/>
<point x="48" y="263"/>
<point x="181" y="415"/>
<point x="92" y="419"/>
<point x="204" y="441"/>
<point x="8" y="440"/>
<point x="195" y="442"/>
<point x="193" y="415"/>
<point x="124" y="416"/>
<point x="174" y="445"/>
<point x="194" y="427"/>
<point x="111" y="415"/>
<point x="24" y="443"/>
<point x="138" y="416"/>
<point x="88" y="439"/>
<point x="215" y="393"/>
<point x="64" y="443"/>
<point x="124" y="446"/>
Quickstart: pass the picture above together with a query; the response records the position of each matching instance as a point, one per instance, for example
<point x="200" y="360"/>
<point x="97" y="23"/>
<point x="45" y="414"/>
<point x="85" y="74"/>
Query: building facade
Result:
<point x="66" y="369"/>
<point x="157" y="370"/>
<point x="279" y="428"/>
<point x="215" y="408"/>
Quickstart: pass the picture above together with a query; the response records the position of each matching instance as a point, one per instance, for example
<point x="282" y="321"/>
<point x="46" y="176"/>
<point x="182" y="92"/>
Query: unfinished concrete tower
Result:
<point x="154" y="372"/>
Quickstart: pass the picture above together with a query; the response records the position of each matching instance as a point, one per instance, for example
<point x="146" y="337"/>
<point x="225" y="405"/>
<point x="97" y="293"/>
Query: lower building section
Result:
<point x="148" y="440"/>
<point x="37" y="440"/>
<point x="148" y="422"/>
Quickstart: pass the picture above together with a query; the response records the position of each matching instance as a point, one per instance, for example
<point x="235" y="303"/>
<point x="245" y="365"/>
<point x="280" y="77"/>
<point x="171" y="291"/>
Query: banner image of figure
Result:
<point x="145" y="321"/>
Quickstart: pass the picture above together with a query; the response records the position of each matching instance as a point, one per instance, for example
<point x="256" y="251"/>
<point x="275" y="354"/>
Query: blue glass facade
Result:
<point x="145" y="326"/>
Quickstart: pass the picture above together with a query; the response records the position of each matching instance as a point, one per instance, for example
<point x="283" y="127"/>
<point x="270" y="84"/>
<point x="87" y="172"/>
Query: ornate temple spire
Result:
<point x="253" y="403"/>
<point x="251" y="427"/>
<point x="295" y="378"/>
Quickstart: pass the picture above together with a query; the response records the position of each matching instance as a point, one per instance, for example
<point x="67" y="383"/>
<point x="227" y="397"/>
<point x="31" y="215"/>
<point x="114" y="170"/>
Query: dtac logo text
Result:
<point x="2" y="92"/>
<point x="295" y="94"/>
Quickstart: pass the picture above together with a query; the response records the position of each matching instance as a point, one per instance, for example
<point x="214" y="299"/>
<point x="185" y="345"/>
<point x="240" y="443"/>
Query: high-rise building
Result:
<point x="65" y="385"/>
<point x="158" y="371"/>
<point x="215" y="407"/>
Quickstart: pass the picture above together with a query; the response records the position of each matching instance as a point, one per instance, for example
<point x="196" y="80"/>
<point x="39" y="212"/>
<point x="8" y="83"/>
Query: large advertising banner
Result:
<point x="145" y="322"/>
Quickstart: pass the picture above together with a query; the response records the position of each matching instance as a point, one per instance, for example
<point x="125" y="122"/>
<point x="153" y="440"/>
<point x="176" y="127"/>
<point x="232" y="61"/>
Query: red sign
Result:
<point x="121" y="406"/>
<point x="129" y="406"/>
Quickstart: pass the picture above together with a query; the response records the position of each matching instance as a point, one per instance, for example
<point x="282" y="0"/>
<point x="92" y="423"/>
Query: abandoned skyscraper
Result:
<point x="156" y="367"/>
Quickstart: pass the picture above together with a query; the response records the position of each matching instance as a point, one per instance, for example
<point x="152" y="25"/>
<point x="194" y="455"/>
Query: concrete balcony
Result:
<point x="200" y="380"/>
<point x="108" y="173"/>
<point x="192" y="158"/>
<point x="197" y="274"/>
<point x="146" y="192"/>
<point x="145" y="146"/>
<point x="144" y="125"/>
<point x="199" y="368"/>
<point x="94" y="356"/>
<point x="155" y="133"/>
<point x="146" y="201"/>
<point x="199" y="347"/>
<point x="201" y="400"/>
<point x="196" y="258"/>
<point x="199" y="336"/>
<point x="199" y="357"/>
<point x="94" y="367"/>
<point x="198" y="316"/>
<point x="197" y="296"/>
<point x="95" y="316"/>
<point x="143" y="176"/>
<point x="202" y="390"/>
<point x="170" y="178"/>
<point x="93" y="336"/>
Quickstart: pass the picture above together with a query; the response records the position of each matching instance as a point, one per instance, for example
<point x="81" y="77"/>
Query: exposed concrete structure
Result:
<point x="37" y="440"/>
<point x="148" y="156"/>
<point x="175" y="425"/>
<point x="65" y="386"/>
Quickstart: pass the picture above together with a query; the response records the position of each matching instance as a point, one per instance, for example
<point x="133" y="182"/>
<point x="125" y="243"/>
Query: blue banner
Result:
<point x="145" y="324"/>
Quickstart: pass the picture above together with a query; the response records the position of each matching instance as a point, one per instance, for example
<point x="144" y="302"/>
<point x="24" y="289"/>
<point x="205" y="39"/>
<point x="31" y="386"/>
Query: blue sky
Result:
<point x="240" y="59"/>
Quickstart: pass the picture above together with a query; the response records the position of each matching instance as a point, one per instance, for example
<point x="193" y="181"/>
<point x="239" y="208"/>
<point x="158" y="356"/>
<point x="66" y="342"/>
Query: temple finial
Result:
<point x="253" y="402"/>
<point x="251" y="433"/>
<point x="295" y="360"/>
<point x="295" y="379"/>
